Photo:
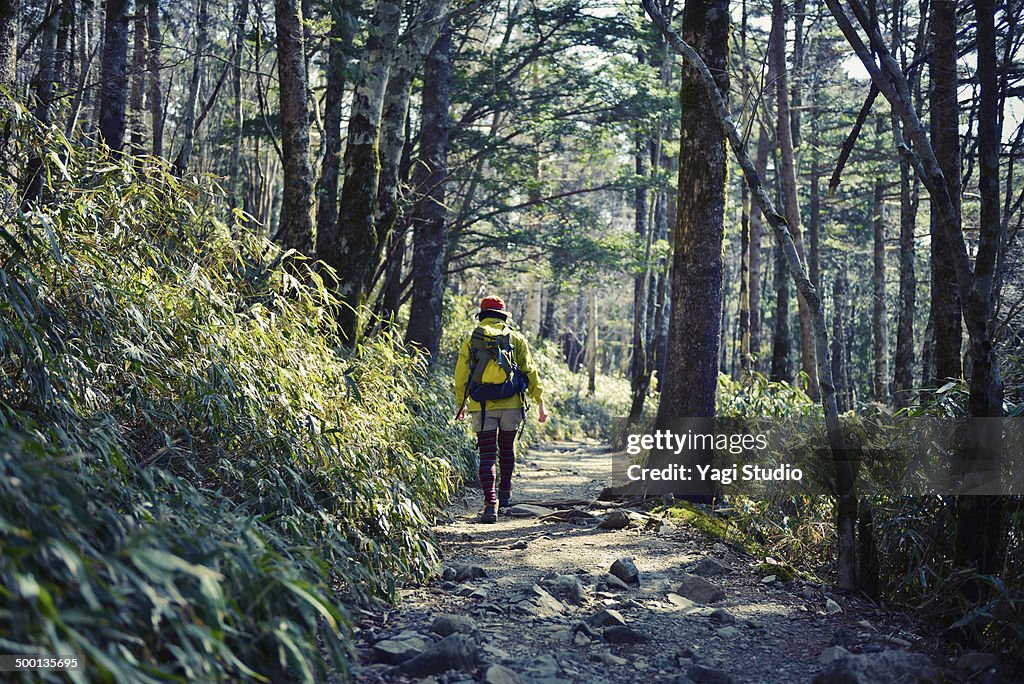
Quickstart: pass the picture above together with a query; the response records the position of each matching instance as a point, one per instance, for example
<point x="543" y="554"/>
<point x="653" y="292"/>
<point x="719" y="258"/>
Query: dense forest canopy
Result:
<point x="215" y="211"/>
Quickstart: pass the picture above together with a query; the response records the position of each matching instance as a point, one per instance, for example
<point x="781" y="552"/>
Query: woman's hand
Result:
<point x="462" y="414"/>
<point x="541" y="413"/>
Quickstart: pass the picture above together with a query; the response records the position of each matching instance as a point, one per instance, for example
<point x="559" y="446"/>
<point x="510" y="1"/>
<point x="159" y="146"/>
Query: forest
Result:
<point x="242" y="242"/>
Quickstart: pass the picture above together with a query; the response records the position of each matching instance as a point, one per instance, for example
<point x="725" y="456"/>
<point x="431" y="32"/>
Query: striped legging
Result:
<point x="496" y="447"/>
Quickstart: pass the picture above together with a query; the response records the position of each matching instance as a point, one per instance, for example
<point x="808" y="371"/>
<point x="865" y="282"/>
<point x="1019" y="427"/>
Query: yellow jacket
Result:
<point x="494" y="326"/>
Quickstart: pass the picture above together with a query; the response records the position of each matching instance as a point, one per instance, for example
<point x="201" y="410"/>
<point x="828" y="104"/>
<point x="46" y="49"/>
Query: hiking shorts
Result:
<point x="504" y="419"/>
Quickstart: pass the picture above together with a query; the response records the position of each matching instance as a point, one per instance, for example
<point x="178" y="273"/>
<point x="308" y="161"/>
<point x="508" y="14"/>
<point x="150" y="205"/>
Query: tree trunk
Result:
<point x="430" y="227"/>
<point x="195" y="84"/>
<point x="355" y="243"/>
<point x="156" y="96"/>
<point x="339" y="43"/>
<point x="114" y="74"/>
<point x="591" y="348"/>
<point x="903" y="380"/>
<point x="839" y="339"/>
<point x="44" y="93"/>
<point x="979" y="538"/>
<point x="879" y="316"/>
<point x="238" y="183"/>
<point x="945" y="136"/>
<point x="754" y="272"/>
<point x="394" y="115"/>
<point x="638" y="350"/>
<point x="691" y="372"/>
<point x="137" y="101"/>
<point x="744" y="322"/>
<point x="782" y="365"/>
<point x="296" y="225"/>
<point x="788" y="181"/>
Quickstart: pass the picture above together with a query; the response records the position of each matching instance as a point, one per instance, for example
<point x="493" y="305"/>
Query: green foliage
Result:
<point x="192" y="470"/>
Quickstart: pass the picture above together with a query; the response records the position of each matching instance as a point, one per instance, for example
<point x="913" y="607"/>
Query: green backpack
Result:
<point x="490" y="352"/>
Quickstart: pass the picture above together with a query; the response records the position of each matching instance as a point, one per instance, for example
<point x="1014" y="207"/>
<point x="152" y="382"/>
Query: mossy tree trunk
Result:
<point x="114" y="74"/>
<point x="296" y="226"/>
<point x="429" y="220"/>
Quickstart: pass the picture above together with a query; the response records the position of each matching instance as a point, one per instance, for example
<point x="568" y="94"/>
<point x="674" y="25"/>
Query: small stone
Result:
<point x="581" y="639"/>
<point x="729" y="632"/>
<point x="468" y="572"/>
<point x="704" y="674"/>
<point x="454" y="624"/>
<point x="519" y="545"/>
<point x="680" y="602"/>
<point x="472" y="592"/>
<point x="454" y="652"/>
<point x="499" y="674"/>
<point x="709" y="566"/>
<point x="808" y="593"/>
<point x="719" y="549"/>
<point x="844" y="637"/>
<point x="620" y="634"/>
<point x="625" y="570"/>
<point x="831" y="653"/>
<point x="611" y="659"/>
<point x="449" y="574"/>
<point x="606" y="618"/>
<point x="769" y="579"/>
<point x="566" y="588"/>
<point x="616" y="520"/>
<point x="613" y="582"/>
<point x="899" y="642"/>
<point x="723" y="616"/>
<point x="699" y="589"/>
<point x="398" y="650"/>
<point x="831" y="607"/>
<point x="529" y="511"/>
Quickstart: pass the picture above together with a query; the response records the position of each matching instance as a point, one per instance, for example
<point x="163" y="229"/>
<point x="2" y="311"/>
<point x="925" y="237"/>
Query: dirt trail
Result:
<point x="537" y="612"/>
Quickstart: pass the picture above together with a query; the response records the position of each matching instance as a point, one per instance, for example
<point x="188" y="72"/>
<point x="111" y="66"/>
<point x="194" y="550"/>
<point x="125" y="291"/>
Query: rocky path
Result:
<point x="573" y="590"/>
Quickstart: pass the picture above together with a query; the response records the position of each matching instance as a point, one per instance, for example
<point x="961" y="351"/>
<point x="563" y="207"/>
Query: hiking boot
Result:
<point x="490" y="514"/>
<point x="504" y="500"/>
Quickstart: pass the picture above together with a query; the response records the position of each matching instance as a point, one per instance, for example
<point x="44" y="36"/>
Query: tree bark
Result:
<point x="879" y="315"/>
<point x="429" y="214"/>
<point x="355" y="243"/>
<point x="339" y="42"/>
<point x="114" y="74"/>
<point x="44" y="93"/>
<point x="238" y="183"/>
<point x="945" y="137"/>
<point x="296" y="226"/>
<point x="839" y="339"/>
<point x="788" y="181"/>
<point x="138" y="94"/>
<point x="903" y="380"/>
<point x="782" y="365"/>
<point x="638" y="355"/>
<point x="756" y="230"/>
<point x="156" y="96"/>
<point x="691" y="372"/>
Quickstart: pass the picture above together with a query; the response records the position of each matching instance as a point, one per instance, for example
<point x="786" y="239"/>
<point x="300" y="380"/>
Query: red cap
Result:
<point x="493" y="303"/>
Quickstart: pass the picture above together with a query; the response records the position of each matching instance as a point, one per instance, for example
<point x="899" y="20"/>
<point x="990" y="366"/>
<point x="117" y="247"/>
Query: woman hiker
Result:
<point x="493" y="379"/>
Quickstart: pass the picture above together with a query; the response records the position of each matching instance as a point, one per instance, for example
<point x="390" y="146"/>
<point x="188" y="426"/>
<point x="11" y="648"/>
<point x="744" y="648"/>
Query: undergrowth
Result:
<point x="192" y="472"/>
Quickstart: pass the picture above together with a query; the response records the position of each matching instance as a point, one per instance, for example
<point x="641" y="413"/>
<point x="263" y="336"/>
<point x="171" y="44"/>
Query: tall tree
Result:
<point x="352" y="252"/>
<point x="296" y="225"/>
<point x="945" y="137"/>
<point x="788" y="181"/>
<point x="691" y="372"/>
<point x="156" y="96"/>
<point x="879" y="315"/>
<point x="114" y="74"/>
<point x="188" y="127"/>
<point x="137" y="100"/>
<point x="339" y="41"/>
<point x="430" y="226"/>
<point x="754" y="270"/>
